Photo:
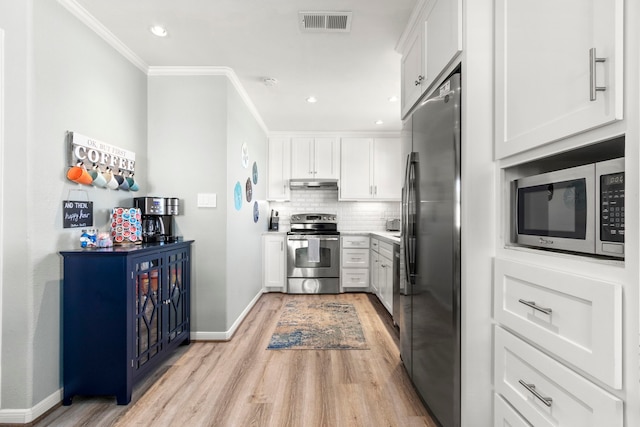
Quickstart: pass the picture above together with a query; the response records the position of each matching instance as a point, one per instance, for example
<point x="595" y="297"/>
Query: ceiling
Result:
<point x="352" y="74"/>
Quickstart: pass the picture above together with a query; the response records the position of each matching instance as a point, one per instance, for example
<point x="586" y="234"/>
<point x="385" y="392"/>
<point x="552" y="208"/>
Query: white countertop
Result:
<point x="388" y="236"/>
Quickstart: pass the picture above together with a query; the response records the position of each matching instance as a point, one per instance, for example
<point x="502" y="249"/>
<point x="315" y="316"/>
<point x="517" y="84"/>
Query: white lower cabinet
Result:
<point x="545" y="392"/>
<point x="505" y="415"/>
<point x="354" y="262"/>
<point x="274" y="262"/>
<point x="576" y="318"/>
<point x="382" y="272"/>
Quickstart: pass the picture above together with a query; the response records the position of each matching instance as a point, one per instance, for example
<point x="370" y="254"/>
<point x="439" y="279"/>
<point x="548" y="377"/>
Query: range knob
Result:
<point x="295" y="217"/>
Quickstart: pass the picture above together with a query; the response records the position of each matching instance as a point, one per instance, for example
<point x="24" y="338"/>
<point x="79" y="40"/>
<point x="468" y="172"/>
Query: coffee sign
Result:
<point x="77" y="214"/>
<point x="91" y="151"/>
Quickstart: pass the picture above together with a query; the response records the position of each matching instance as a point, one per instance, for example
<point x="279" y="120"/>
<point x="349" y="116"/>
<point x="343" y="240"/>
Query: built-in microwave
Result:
<point x="580" y="209"/>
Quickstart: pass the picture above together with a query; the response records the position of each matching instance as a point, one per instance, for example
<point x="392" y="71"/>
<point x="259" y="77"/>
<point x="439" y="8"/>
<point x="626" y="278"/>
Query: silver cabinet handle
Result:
<point x="533" y="305"/>
<point x="593" y="59"/>
<point x="531" y="388"/>
<point x="281" y="246"/>
<point x="419" y="81"/>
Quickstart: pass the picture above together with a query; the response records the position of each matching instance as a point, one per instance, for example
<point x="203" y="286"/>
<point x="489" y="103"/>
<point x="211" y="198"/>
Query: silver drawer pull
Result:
<point x="533" y="305"/>
<point x="531" y="388"/>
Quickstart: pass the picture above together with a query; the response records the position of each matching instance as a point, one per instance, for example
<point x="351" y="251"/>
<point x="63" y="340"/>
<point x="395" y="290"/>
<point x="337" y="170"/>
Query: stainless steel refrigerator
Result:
<point x="430" y="282"/>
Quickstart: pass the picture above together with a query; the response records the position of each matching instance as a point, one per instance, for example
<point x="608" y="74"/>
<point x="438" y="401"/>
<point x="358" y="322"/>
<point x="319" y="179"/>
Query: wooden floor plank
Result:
<point x="242" y="383"/>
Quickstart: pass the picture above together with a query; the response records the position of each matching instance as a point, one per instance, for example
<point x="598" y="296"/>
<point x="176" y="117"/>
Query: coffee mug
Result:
<point x="112" y="183"/>
<point x="80" y="175"/>
<point x="133" y="185"/>
<point x="122" y="182"/>
<point x="98" y="178"/>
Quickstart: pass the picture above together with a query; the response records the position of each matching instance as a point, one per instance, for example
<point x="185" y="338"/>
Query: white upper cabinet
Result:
<point x="558" y="70"/>
<point x="315" y="158"/>
<point x="371" y="169"/>
<point x="278" y="169"/>
<point x="432" y="41"/>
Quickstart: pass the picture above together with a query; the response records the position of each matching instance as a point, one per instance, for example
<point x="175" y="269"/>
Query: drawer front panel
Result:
<point x="576" y="318"/>
<point x="355" y="258"/>
<point x="386" y="250"/>
<point x="375" y="244"/>
<point x="355" y="278"/>
<point x="355" y="242"/>
<point x="547" y="393"/>
<point x="505" y="415"/>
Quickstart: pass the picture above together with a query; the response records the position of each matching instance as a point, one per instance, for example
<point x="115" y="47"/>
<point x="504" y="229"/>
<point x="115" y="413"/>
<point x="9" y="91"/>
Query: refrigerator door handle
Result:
<point x="408" y="226"/>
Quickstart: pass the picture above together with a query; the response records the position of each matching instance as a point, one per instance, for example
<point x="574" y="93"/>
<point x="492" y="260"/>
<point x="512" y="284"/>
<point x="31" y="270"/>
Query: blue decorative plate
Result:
<point x="237" y="196"/>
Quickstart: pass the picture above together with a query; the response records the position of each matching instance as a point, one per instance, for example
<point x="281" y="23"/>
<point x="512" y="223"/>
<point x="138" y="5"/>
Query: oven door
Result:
<point x="313" y="256"/>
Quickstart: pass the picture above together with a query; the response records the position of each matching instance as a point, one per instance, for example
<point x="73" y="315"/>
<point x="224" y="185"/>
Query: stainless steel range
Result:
<point x="313" y="254"/>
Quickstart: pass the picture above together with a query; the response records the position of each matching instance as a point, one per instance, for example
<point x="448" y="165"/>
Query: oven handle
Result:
<point x="308" y="237"/>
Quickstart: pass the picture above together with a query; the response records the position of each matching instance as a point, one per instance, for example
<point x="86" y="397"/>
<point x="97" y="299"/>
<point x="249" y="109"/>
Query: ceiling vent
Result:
<point x="325" y="22"/>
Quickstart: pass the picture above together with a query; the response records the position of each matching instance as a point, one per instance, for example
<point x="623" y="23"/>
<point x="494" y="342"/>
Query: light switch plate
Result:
<point x="207" y="200"/>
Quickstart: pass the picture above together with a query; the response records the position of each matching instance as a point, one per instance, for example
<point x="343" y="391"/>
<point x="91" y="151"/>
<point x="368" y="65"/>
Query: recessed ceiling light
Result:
<point x="379" y="122"/>
<point x="270" y="81"/>
<point x="393" y="99"/>
<point x="159" y="30"/>
<point x="312" y="99"/>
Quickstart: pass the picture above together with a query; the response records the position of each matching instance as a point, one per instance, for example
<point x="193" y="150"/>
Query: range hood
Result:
<point x="323" y="184"/>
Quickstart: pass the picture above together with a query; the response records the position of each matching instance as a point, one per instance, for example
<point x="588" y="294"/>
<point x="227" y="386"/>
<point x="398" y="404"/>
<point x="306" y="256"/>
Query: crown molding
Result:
<point x="102" y="31"/>
<point x="168" y="71"/>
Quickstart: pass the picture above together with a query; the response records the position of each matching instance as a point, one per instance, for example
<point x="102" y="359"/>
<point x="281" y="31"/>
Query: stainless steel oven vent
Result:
<point x="325" y="22"/>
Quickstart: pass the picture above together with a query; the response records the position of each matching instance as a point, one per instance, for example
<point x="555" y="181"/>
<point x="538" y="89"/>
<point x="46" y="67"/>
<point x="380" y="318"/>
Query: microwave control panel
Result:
<point x="612" y="207"/>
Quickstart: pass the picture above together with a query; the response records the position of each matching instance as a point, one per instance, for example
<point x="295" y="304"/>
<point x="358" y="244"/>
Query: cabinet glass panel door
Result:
<point x="177" y="295"/>
<point x="148" y="310"/>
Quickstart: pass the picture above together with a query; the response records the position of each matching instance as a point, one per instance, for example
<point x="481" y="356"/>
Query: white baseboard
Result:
<point x="226" y="336"/>
<point x="24" y="416"/>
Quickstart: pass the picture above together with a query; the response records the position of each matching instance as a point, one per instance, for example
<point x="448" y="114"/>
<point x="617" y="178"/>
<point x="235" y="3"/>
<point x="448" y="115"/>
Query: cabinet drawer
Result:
<point x="576" y="318"/>
<point x="386" y="250"/>
<point x="375" y="244"/>
<point x="358" y="258"/>
<point x="545" y="392"/>
<point x="505" y="415"/>
<point x="355" y="278"/>
<point x="355" y="241"/>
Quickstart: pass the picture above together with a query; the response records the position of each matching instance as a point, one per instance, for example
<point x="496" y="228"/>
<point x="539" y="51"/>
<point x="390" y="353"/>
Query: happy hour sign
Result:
<point x="76" y="214"/>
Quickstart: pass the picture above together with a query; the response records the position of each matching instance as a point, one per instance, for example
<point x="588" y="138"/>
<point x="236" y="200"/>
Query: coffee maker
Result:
<point x="157" y="218"/>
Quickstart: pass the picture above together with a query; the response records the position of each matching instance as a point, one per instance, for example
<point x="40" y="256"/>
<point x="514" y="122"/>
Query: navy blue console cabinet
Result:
<point x="124" y="310"/>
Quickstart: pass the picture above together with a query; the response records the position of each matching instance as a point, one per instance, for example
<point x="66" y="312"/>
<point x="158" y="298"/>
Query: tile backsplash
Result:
<point x="352" y="216"/>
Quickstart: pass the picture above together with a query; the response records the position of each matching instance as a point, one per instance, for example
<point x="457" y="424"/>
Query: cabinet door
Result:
<point x="150" y="289"/>
<point x="544" y="74"/>
<point x="387" y="169"/>
<point x="442" y="38"/>
<point x="355" y="169"/>
<point x="374" y="264"/>
<point x="279" y="169"/>
<point x="326" y="158"/>
<point x="302" y="158"/>
<point x="386" y="283"/>
<point x="412" y="75"/>
<point x="274" y="261"/>
<point x="177" y="295"/>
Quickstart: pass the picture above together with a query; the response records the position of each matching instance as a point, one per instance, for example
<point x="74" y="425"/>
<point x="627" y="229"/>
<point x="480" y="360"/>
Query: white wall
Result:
<point x="197" y="125"/>
<point x="244" y="268"/>
<point x="60" y="76"/>
<point x="15" y="19"/>
<point x="187" y="154"/>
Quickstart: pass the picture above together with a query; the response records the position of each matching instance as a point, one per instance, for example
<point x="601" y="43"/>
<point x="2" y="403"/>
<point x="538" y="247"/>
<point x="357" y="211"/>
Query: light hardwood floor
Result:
<point x="241" y="383"/>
